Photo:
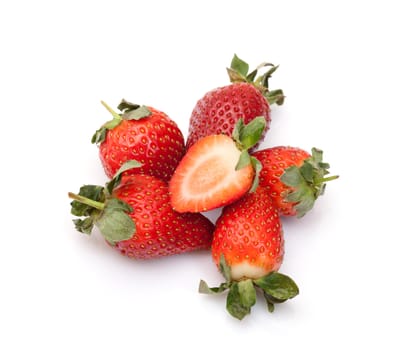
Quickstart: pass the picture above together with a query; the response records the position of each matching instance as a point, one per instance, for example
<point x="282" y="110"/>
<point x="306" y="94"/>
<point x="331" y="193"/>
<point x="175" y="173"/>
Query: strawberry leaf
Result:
<point x="269" y="302"/>
<point x="246" y="136"/>
<point x="114" y="223"/>
<point x="240" y="299"/>
<point x="316" y="157"/>
<point x="109" y="215"/>
<point x="244" y="160"/>
<point x="251" y="133"/>
<point x="304" y="204"/>
<point x="307" y="172"/>
<point x="263" y="80"/>
<point x="235" y="77"/>
<point x="117" y="204"/>
<point x="132" y="111"/>
<point x="247" y="292"/>
<point x="89" y="202"/>
<point x="115" y="181"/>
<point x="92" y="192"/>
<point x="126" y="106"/>
<point x="239" y="72"/>
<point x="307" y="182"/>
<point x="137" y="114"/>
<point x="278" y="286"/>
<point x="100" y="134"/>
<point x="239" y="66"/>
<point x="257" y="166"/>
<point x="225" y="268"/>
<point x="274" y="96"/>
<point x="84" y="225"/>
<point x="302" y="194"/>
<point x="205" y="289"/>
<point x="239" y="125"/>
<point x="272" y="299"/>
<point x="292" y="176"/>
<point x="251" y="76"/>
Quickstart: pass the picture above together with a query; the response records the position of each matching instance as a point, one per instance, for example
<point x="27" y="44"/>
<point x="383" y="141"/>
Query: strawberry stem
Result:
<point x="87" y="201"/>
<point x="113" y="113"/>
<point x="326" y="179"/>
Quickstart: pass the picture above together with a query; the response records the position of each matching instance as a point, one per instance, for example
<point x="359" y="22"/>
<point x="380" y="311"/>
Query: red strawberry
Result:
<point x="247" y="97"/>
<point x="134" y="215"/>
<point x="141" y="133"/>
<point x="217" y="170"/>
<point x="249" y="235"/>
<point x="294" y="177"/>
<point x="248" y="247"/>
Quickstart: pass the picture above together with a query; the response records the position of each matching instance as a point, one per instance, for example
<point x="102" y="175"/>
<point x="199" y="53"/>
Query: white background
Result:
<point x="342" y="70"/>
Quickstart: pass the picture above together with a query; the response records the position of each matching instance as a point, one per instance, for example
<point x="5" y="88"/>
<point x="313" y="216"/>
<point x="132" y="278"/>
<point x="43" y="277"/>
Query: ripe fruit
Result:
<point x="248" y="248"/>
<point x="217" y="170"/>
<point x="141" y="133"/>
<point x="247" y="97"/>
<point x="249" y="235"/>
<point x="294" y="178"/>
<point x="134" y="215"/>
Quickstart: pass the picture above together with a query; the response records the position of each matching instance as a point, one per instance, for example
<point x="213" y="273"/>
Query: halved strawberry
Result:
<point x="217" y="169"/>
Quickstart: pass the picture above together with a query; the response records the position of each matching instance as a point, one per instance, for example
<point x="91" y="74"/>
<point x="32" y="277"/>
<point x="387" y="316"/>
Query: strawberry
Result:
<point x="294" y="177"/>
<point x="247" y="97"/>
<point x="134" y="215"/>
<point x="248" y="248"/>
<point x="217" y="170"/>
<point x="141" y="133"/>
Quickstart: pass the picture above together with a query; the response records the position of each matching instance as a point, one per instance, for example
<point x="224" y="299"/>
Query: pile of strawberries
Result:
<point x="161" y="184"/>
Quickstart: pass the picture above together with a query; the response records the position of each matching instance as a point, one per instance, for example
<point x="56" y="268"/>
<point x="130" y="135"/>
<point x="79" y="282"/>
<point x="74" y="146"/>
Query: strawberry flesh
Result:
<point x="206" y="177"/>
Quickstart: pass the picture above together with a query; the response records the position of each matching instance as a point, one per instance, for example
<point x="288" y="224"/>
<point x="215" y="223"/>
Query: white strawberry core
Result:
<point x="247" y="270"/>
<point x="218" y="160"/>
<point x="214" y="174"/>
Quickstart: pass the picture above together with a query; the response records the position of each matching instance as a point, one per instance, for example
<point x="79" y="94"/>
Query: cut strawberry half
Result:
<point x="217" y="170"/>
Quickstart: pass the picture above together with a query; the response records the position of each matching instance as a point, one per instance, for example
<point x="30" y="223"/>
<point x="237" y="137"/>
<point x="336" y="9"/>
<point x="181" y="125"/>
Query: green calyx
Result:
<point x="99" y="208"/>
<point x="130" y="111"/>
<point x="308" y="182"/>
<point x="245" y="137"/>
<point x="276" y="287"/>
<point x="239" y="72"/>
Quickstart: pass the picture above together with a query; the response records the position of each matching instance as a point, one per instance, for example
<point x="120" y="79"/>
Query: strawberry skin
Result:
<point x="248" y="248"/>
<point x="160" y="231"/>
<point x="153" y="139"/>
<point x="249" y="235"/>
<point x="247" y="97"/>
<point x="274" y="161"/>
<point x="134" y="215"/>
<point x="218" y="111"/>
<point x="294" y="177"/>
